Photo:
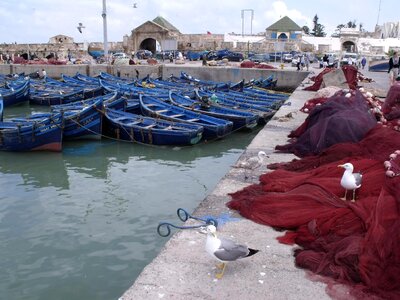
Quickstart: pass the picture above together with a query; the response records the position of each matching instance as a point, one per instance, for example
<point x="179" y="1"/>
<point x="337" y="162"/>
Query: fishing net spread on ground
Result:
<point x="339" y="119"/>
<point x="355" y="243"/>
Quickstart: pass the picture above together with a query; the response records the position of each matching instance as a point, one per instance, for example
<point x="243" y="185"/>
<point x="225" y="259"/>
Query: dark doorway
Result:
<point x="148" y="44"/>
<point x="283" y="36"/>
<point x="349" y="47"/>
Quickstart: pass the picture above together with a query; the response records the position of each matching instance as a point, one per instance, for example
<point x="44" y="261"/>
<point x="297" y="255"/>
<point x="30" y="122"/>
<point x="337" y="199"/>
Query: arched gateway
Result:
<point x="147" y="35"/>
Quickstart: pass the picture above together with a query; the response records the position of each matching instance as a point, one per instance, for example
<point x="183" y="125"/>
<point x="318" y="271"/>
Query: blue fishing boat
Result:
<point x="136" y="128"/>
<point x="82" y="119"/>
<point x="90" y="90"/>
<point x="213" y="127"/>
<point x="15" y="92"/>
<point x="49" y="93"/>
<point x="87" y="79"/>
<point x="239" y="118"/>
<point x="42" y="134"/>
<point x="1" y="108"/>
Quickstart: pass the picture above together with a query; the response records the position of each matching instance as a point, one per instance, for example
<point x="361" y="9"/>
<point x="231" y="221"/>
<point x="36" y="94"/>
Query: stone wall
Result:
<point x="286" y="79"/>
<point x="60" y="50"/>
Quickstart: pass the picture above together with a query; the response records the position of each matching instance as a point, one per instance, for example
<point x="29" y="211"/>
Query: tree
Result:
<point x="337" y="30"/>
<point x="306" y="29"/>
<point x="318" y="29"/>
<point x="351" y="24"/>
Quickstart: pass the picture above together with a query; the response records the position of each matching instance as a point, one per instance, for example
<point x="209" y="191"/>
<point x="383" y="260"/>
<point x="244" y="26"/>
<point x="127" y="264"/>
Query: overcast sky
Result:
<point x="35" y="21"/>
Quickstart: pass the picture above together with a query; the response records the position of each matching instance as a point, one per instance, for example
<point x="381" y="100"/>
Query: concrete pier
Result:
<point x="183" y="269"/>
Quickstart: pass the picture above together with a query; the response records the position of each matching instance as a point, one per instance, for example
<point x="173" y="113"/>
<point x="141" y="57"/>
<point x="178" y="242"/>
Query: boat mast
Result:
<point x="104" y="15"/>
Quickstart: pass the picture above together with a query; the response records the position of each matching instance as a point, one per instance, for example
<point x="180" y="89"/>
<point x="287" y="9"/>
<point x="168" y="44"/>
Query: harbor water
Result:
<point x="82" y="224"/>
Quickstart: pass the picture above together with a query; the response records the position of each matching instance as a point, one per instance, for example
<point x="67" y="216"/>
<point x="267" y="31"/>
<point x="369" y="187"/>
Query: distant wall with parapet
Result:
<point x="286" y="79"/>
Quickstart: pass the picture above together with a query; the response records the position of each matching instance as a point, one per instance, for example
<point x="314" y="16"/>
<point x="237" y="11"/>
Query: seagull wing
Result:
<point x="230" y="251"/>
<point x="358" y="178"/>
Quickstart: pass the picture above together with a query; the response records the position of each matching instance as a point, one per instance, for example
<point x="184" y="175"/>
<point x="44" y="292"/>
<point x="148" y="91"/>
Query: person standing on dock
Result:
<point x="363" y="62"/>
<point x="307" y="61"/>
<point x="43" y="74"/>
<point x="393" y="67"/>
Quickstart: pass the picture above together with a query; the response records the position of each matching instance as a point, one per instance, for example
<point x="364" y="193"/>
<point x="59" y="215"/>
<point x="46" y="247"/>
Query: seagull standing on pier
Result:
<point x="225" y="250"/>
<point x="253" y="162"/>
<point x="350" y="180"/>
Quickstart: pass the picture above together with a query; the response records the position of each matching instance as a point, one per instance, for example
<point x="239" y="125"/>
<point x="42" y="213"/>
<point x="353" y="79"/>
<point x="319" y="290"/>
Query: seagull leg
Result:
<point x="345" y="194"/>
<point x="219" y="275"/>
<point x="220" y="266"/>
<point x="354" y="196"/>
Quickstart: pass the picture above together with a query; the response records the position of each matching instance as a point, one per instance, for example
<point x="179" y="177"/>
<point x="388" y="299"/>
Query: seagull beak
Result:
<point x="340" y="166"/>
<point x="203" y="230"/>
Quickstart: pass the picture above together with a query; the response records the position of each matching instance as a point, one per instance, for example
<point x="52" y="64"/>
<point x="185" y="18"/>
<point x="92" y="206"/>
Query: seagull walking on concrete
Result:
<point x="225" y="250"/>
<point x="350" y="180"/>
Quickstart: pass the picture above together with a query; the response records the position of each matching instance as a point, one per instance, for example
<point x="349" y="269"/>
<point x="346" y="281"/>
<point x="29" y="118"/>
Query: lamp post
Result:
<point x="251" y="23"/>
<point x="105" y="42"/>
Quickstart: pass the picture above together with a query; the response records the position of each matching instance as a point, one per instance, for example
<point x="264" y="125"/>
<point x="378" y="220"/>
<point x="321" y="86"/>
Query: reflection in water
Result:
<point x="81" y="224"/>
<point x="39" y="169"/>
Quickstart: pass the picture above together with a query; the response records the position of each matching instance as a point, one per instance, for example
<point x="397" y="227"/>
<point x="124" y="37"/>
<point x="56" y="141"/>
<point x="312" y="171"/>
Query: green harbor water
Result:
<point x="81" y="224"/>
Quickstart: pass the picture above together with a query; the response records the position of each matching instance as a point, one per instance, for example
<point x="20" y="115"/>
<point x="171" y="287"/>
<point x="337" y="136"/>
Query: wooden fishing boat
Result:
<point x="1" y="108"/>
<point x="237" y="102"/>
<point x="239" y="118"/>
<point x="87" y="79"/>
<point x="213" y="127"/>
<point x="90" y="90"/>
<point x="136" y="128"/>
<point x="131" y="90"/>
<point x="82" y="119"/>
<point x="15" y="92"/>
<point x="42" y="134"/>
<point x="42" y="93"/>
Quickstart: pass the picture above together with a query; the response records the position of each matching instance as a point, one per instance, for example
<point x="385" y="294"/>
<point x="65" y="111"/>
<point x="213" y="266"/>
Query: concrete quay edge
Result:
<point x="184" y="271"/>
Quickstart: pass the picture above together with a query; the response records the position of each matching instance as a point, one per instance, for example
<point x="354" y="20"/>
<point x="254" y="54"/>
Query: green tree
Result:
<point x="306" y="29"/>
<point x="351" y="24"/>
<point x="318" y="29"/>
<point x="337" y="30"/>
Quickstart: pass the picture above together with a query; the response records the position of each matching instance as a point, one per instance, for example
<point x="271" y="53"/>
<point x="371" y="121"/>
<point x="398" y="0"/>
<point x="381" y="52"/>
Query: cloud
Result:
<point x="279" y="10"/>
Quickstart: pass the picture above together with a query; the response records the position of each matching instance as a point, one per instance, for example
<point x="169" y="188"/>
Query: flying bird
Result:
<point x="350" y="180"/>
<point x="253" y="162"/>
<point x="134" y="5"/>
<point x="225" y="250"/>
<point x="80" y="27"/>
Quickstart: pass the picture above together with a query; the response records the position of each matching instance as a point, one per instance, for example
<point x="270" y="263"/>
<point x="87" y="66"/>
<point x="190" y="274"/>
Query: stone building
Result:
<point x="159" y="34"/>
<point x="153" y="35"/>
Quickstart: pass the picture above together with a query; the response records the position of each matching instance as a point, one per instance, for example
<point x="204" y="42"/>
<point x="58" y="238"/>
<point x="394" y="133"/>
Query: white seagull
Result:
<point x="80" y="27"/>
<point x="225" y="250"/>
<point x="253" y="162"/>
<point x="350" y="180"/>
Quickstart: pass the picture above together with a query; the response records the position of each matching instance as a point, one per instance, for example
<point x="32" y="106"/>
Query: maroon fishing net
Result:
<point x="340" y="119"/>
<point x="350" y="72"/>
<point x="355" y="243"/>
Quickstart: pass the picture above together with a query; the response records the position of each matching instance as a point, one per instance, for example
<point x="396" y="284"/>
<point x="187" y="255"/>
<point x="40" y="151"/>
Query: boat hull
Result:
<point x="135" y="128"/>
<point x="43" y="135"/>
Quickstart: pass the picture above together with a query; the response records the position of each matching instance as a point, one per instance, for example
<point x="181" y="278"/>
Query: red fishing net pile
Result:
<point x="339" y="119"/>
<point x="355" y="243"/>
<point x="350" y="72"/>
